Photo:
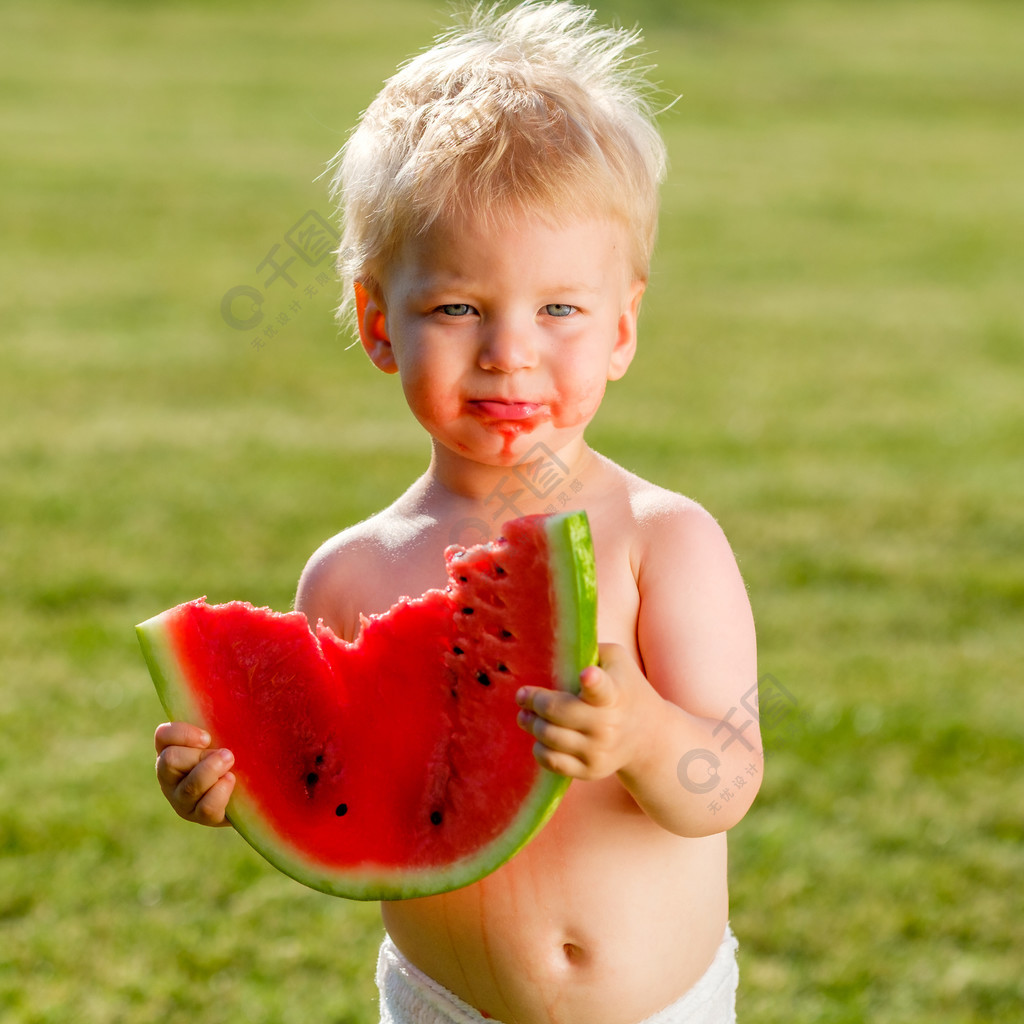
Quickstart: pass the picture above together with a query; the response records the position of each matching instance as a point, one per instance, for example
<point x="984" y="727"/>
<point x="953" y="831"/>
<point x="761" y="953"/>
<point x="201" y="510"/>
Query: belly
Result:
<point x="603" y="919"/>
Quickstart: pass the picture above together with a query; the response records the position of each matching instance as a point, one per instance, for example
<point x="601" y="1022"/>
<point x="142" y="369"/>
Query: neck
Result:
<point x="548" y="478"/>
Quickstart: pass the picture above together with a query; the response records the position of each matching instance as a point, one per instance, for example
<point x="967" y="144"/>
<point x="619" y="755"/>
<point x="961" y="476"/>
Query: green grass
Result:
<point x="831" y="360"/>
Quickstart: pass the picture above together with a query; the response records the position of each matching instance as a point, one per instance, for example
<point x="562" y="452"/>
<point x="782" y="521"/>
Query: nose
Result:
<point x="508" y="346"/>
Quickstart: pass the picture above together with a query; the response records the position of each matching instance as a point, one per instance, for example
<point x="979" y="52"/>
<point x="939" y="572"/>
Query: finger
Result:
<point x="193" y="788"/>
<point x="212" y="808"/>
<point x="180" y="734"/>
<point x="554" y="706"/>
<point x="597" y="687"/>
<point x="173" y="764"/>
<point x="556" y="738"/>
<point x="559" y="762"/>
<point x="212" y="767"/>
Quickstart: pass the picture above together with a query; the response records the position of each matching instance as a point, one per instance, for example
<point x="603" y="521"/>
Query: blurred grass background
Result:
<point x="831" y="361"/>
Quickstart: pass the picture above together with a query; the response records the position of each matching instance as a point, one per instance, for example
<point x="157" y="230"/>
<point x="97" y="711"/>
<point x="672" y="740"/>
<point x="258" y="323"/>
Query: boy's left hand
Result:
<point x="599" y="731"/>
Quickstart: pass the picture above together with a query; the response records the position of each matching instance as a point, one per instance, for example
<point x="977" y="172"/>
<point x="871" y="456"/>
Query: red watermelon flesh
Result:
<point x="391" y="767"/>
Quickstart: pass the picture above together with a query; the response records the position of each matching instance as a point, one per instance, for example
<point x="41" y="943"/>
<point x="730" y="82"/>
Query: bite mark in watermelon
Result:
<point x="391" y="767"/>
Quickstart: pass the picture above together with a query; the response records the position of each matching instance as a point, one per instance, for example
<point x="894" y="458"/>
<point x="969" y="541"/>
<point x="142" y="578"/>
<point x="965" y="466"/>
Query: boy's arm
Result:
<point x="676" y="733"/>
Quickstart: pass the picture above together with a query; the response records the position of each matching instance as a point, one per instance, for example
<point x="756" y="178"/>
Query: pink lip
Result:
<point x="499" y="409"/>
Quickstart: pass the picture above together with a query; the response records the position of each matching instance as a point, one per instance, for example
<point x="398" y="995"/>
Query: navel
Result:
<point x="573" y="954"/>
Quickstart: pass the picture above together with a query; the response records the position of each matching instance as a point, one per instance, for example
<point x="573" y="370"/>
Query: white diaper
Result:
<point x="408" y="996"/>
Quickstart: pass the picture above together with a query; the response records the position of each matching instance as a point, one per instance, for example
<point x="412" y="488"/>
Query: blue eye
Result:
<point x="558" y="309"/>
<point x="455" y="309"/>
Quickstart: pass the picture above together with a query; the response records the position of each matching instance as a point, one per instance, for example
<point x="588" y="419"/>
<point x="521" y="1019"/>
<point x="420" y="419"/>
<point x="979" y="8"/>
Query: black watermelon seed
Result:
<point x="463" y="579"/>
<point x="467" y="611"/>
<point x="483" y="678"/>
<point x="436" y="817"/>
<point x="312" y="779"/>
<point x="506" y="635"/>
<point x="341" y="810"/>
<point x="319" y="758"/>
<point x="456" y="650"/>
<point x="502" y="668"/>
<point x="499" y="571"/>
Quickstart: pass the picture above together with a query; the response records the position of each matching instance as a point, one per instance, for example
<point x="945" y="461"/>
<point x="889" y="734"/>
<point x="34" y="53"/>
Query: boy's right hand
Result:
<point x="196" y="781"/>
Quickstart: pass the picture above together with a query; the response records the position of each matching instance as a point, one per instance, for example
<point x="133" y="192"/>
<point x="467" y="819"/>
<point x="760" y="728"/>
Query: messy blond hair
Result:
<point x="529" y="109"/>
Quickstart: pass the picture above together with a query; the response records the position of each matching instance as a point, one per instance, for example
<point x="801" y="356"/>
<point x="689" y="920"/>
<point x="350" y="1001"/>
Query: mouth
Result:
<point x="505" y="409"/>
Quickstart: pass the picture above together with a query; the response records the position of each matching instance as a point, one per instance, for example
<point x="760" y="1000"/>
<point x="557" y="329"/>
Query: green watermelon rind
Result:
<point x="171" y="685"/>
<point x="574" y="580"/>
<point x="574" y="573"/>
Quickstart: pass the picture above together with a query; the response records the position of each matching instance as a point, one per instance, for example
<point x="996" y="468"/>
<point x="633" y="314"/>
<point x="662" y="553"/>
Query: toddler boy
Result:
<point x="500" y="201"/>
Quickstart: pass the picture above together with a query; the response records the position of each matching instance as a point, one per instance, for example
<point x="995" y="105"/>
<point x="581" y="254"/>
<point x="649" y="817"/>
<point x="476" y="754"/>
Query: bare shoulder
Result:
<point x="347" y="575"/>
<point x="671" y="521"/>
<point x="330" y="576"/>
<point x="665" y="524"/>
<point x="682" y="561"/>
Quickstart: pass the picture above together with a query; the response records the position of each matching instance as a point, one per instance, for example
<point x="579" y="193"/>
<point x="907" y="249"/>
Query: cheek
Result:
<point x="423" y="400"/>
<point x="579" y="404"/>
<point x="428" y="389"/>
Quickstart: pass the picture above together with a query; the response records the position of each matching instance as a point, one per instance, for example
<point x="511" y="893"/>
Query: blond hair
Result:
<point x="531" y="109"/>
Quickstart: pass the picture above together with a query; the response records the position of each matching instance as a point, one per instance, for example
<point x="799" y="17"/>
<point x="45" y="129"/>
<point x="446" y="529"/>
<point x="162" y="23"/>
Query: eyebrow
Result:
<point x="566" y="287"/>
<point x="434" y="280"/>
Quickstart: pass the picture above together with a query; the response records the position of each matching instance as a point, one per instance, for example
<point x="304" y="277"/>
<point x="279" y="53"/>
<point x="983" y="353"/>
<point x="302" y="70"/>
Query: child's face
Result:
<point x="504" y="338"/>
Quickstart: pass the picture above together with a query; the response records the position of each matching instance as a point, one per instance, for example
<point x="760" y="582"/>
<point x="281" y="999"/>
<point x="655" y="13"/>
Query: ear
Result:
<point x="373" y="330"/>
<point x="625" y="343"/>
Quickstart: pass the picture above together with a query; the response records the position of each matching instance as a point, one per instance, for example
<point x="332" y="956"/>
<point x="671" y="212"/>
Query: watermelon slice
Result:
<point x="391" y="767"/>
